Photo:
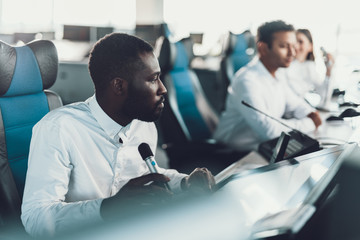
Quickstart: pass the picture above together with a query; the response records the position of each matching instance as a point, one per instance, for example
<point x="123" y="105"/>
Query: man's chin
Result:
<point x="287" y="64"/>
<point x="151" y="118"/>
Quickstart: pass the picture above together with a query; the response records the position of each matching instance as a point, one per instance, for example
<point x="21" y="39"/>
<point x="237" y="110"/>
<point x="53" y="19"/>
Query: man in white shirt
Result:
<point x="259" y="84"/>
<point x="84" y="165"/>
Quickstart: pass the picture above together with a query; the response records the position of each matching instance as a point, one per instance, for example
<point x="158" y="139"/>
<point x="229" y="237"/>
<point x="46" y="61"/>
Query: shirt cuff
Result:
<point x="308" y="125"/>
<point x="304" y="111"/>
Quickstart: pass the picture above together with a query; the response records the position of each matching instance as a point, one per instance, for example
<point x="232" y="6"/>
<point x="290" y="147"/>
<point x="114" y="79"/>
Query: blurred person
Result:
<point x="84" y="166"/>
<point x="303" y="74"/>
<point x="259" y="85"/>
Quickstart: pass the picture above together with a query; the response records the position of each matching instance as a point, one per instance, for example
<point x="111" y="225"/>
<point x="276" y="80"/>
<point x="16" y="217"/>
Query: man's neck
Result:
<point x="270" y="67"/>
<point x="113" y="112"/>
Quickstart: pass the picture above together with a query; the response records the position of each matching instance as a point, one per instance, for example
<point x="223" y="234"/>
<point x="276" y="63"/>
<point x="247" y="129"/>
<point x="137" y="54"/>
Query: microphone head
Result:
<point x="145" y="151"/>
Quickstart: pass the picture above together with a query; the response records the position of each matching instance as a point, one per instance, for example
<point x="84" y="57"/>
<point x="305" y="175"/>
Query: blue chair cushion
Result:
<point x="26" y="68"/>
<point x="181" y="59"/>
<point x="185" y="95"/>
<point x="239" y="57"/>
<point x="19" y="117"/>
<point x="22" y="99"/>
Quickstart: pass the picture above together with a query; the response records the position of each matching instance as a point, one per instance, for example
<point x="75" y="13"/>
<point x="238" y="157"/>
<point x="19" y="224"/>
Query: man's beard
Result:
<point x="135" y="109"/>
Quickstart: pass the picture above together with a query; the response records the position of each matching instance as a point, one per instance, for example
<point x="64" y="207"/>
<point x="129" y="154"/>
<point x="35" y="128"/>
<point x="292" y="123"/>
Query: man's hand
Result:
<point x="142" y="191"/>
<point x="200" y="179"/>
<point x="315" y="116"/>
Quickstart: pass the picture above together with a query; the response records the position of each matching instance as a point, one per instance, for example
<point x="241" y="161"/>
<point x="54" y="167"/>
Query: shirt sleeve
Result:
<point x="296" y="105"/>
<point x="264" y="127"/>
<point x="316" y="73"/>
<point x="45" y="211"/>
<point x="175" y="178"/>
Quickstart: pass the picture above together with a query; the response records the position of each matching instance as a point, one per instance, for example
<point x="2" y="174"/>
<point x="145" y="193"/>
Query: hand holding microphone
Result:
<point x="136" y="196"/>
<point x="138" y="193"/>
<point x="199" y="180"/>
<point x="148" y="157"/>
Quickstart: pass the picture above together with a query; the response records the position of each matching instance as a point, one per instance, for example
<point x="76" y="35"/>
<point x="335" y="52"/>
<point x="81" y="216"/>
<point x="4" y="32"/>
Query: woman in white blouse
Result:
<point x="303" y="74"/>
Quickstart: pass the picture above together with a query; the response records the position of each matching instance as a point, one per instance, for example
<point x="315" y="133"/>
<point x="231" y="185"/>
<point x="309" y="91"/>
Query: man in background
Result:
<point x="259" y="84"/>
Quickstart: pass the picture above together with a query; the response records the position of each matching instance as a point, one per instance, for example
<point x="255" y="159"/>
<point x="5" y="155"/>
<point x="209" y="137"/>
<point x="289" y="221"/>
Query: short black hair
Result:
<point x="266" y="31"/>
<point x="116" y="55"/>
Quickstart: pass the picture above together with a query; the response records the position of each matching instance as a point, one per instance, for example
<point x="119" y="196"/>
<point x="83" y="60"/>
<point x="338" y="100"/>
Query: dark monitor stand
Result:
<point x="280" y="148"/>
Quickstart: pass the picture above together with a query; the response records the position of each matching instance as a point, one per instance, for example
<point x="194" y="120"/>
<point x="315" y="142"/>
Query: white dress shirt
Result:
<point x="304" y="77"/>
<point x="76" y="160"/>
<point x="243" y="128"/>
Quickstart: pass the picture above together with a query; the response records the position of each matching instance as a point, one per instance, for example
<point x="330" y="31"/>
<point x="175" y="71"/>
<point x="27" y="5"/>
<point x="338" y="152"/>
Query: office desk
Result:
<point x="334" y="133"/>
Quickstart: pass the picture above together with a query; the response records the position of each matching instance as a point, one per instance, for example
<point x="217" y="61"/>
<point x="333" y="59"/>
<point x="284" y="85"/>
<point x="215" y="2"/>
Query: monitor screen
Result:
<point x="279" y="187"/>
<point x="76" y="33"/>
<point x="339" y="216"/>
<point x="101" y="32"/>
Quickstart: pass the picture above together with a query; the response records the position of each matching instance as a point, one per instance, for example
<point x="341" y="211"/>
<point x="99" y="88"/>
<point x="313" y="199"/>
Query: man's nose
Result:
<point x="162" y="88"/>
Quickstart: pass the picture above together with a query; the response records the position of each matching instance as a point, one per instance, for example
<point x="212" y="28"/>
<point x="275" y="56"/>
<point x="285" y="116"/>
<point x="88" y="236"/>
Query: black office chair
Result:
<point x="24" y="74"/>
<point x="188" y="120"/>
<point x="238" y="50"/>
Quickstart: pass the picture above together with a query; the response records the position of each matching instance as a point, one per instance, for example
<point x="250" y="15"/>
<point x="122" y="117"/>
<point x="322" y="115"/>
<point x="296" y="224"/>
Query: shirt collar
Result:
<point x="112" y="128"/>
<point x="263" y="69"/>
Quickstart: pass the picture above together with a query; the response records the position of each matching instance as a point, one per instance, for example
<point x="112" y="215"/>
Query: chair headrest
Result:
<point x="27" y="69"/>
<point x="243" y="42"/>
<point x="237" y="43"/>
<point x="176" y="55"/>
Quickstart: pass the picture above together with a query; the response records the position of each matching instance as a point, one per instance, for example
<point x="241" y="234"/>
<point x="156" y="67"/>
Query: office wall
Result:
<point x="73" y="82"/>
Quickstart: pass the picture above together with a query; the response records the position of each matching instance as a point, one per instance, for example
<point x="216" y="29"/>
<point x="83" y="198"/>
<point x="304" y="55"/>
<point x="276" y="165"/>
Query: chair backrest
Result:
<point x="188" y="116"/>
<point x="239" y="49"/>
<point x="25" y="72"/>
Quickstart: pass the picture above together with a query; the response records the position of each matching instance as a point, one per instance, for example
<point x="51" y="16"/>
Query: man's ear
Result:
<point x="262" y="48"/>
<point x="119" y="86"/>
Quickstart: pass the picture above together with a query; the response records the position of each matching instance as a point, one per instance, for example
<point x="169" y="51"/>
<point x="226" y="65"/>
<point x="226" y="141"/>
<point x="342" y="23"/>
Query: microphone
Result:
<point x="295" y="146"/>
<point x="148" y="157"/>
<point x="277" y="120"/>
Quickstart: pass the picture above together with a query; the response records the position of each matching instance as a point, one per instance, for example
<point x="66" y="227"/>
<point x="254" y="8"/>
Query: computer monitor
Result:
<point x="24" y="37"/>
<point x="8" y="38"/>
<point x="100" y="32"/>
<point x="85" y="33"/>
<point x="339" y="216"/>
<point x="76" y="33"/>
<point x="149" y="32"/>
<point x="197" y="37"/>
<point x="279" y="199"/>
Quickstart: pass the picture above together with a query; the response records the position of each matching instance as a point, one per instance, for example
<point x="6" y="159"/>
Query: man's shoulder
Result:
<point x="249" y="71"/>
<point x="248" y="77"/>
<point x="77" y="110"/>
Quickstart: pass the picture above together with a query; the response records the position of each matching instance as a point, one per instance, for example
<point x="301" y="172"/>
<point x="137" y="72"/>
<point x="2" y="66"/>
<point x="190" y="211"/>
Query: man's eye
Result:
<point x="157" y="77"/>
